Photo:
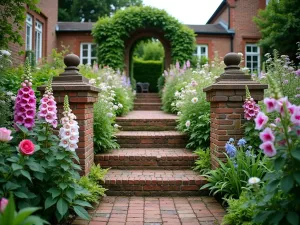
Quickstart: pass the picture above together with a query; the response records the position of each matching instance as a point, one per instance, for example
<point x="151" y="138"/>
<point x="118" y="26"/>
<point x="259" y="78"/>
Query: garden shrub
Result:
<point x="115" y="99"/>
<point x="183" y="93"/>
<point x="277" y="198"/>
<point x="147" y="71"/>
<point x="110" y="33"/>
<point x="91" y="183"/>
<point x="237" y="213"/>
<point x="202" y="164"/>
<point x="232" y="176"/>
<point x="38" y="166"/>
<point x="9" y="216"/>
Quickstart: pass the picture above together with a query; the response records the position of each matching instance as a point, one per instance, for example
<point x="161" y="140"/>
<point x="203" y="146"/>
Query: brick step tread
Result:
<point x="155" y="177"/>
<point x="147" y="94"/>
<point x="148" y="104"/>
<point x="147" y="115"/>
<point x="149" y="134"/>
<point x="143" y="158"/>
<point x="147" y="100"/>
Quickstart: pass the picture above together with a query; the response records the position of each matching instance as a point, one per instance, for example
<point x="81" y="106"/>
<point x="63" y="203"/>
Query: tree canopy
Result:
<point x="149" y="50"/>
<point x="91" y="10"/>
<point x="12" y="18"/>
<point x="279" y="25"/>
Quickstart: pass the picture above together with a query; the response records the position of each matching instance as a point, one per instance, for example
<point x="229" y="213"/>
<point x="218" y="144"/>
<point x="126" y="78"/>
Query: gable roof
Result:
<point x="87" y="27"/>
<point x="219" y="9"/>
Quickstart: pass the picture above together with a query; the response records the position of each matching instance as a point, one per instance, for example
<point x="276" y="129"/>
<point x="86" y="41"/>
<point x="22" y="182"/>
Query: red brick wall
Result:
<point x="221" y="44"/>
<point x="48" y="17"/>
<point x="242" y="21"/>
<point x="72" y="40"/>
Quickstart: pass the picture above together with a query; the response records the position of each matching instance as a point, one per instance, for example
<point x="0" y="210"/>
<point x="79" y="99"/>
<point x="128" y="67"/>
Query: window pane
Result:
<point x="85" y="53"/>
<point x="248" y="48"/>
<point x="196" y="51"/>
<point x="84" y="61"/>
<point x="248" y="65"/>
<point x="255" y="66"/>
<point x="85" y="47"/>
<point x="254" y="48"/>
<point x="255" y="58"/>
<point x="249" y="58"/>
<point x="203" y="50"/>
<point x="94" y="51"/>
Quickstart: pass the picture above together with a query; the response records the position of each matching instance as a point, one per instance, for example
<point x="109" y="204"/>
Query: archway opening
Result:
<point x="147" y="63"/>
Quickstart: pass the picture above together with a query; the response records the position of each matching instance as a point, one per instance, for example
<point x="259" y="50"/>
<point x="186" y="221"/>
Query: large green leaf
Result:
<point x="296" y="154"/>
<point x="20" y="194"/>
<point x="26" y="174"/>
<point x="50" y="201"/>
<point x="82" y="203"/>
<point x="23" y="214"/>
<point x="81" y="212"/>
<point x="293" y="218"/>
<point x="62" y="206"/>
<point x="287" y="183"/>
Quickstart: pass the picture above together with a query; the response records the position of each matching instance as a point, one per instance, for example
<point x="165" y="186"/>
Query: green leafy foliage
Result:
<point x="283" y="72"/>
<point x="149" y="50"/>
<point x="238" y="212"/>
<point x="231" y="177"/>
<point x="202" y="164"/>
<point x="147" y="71"/>
<point x="115" y="99"/>
<point x="12" y="20"/>
<point x="251" y="135"/>
<point x="24" y="217"/>
<point x="278" y="200"/>
<point x="279" y="25"/>
<point x="91" y="183"/>
<point x="183" y="94"/>
<point x="111" y="33"/>
<point x="76" y="10"/>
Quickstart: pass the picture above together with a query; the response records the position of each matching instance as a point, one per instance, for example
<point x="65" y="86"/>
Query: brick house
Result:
<point x="39" y="33"/>
<point x="230" y="28"/>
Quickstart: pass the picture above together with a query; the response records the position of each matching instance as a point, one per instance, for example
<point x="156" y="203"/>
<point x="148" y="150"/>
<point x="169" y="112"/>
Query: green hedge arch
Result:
<point x="110" y="33"/>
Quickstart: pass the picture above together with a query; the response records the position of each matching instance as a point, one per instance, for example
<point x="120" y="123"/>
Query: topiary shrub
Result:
<point x="110" y="33"/>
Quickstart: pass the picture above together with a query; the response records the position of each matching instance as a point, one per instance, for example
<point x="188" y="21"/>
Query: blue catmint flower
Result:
<point x="241" y="142"/>
<point x="231" y="140"/>
<point x="230" y="149"/>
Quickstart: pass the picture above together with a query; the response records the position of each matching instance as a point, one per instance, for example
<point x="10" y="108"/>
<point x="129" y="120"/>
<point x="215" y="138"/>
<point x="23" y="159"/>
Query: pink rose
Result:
<point x="5" y="134"/>
<point x="26" y="147"/>
<point x="3" y="204"/>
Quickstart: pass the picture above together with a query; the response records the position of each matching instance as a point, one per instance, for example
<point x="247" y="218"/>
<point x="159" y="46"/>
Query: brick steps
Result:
<point x="158" y="158"/>
<point x="146" y="124"/>
<point x="142" y="100"/>
<point x="153" y="182"/>
<point x="147" y="106"/>
<point x="151" y="139"/>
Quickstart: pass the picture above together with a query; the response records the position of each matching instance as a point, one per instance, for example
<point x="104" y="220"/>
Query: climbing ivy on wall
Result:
<point x="110" y="33"/>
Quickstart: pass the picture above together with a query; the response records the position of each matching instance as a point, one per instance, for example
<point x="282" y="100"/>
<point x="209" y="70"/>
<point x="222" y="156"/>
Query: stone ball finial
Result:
<point x="232" y="59"/>
<point x="71" y="60"/>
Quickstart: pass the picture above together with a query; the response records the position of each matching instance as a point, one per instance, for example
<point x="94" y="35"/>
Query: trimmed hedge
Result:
<point x="147" y="71"/>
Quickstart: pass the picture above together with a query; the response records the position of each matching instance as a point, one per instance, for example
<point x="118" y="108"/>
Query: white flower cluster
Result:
<point x="69" y="132"/>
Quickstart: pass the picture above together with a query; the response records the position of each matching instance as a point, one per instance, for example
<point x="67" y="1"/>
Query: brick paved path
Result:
<point x="155" y="211"/>
<point x="152" y="163"/>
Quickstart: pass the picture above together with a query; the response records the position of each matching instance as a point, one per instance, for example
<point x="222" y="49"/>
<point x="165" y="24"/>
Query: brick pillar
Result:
<point x="82" y="97"/>
<point x="226" y="97"/>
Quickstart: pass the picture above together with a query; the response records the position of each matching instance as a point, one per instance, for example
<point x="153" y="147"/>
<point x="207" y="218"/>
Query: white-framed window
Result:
<point x="88" y="53"/>
<point x="252" y="58"/>
<point x="201" y="51"/>
<point x="38" y="40"/>
<point x="28" y="32"/>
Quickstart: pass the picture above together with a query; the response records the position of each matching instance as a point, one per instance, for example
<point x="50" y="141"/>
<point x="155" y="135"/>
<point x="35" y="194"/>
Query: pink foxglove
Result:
<point x="68" y="133"/>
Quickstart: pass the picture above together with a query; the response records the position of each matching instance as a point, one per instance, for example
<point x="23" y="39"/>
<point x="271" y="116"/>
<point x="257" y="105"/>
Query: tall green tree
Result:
<point x="279" y="25"/>
<point x="12" y="20"/>
<point x="91" y="10"/>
